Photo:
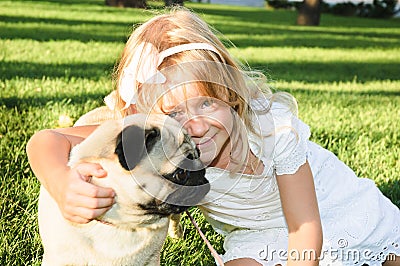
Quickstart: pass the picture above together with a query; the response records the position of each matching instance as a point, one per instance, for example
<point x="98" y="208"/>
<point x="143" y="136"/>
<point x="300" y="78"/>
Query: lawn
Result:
<point x="56" y="58"/>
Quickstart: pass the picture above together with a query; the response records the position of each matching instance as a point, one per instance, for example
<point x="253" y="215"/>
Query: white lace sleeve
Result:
<point x="291" y="136"/>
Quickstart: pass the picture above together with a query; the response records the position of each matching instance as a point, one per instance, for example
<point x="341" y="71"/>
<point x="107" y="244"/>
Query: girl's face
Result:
<point x="208" y="121"/>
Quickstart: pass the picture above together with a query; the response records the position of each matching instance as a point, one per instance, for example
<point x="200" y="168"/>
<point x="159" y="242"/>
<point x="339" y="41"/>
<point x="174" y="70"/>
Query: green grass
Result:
<point x="56" y="58"/>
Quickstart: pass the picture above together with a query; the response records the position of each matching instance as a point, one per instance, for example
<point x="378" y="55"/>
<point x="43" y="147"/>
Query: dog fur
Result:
<point x="144" y="157"/>
<point x="104" y="113"/>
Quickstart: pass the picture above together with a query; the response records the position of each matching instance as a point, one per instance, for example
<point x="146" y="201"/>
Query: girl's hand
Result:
<point x="78" y="199"/>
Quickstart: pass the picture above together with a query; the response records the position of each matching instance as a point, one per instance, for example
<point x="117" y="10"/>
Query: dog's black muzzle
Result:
<point x="191" y="187"/>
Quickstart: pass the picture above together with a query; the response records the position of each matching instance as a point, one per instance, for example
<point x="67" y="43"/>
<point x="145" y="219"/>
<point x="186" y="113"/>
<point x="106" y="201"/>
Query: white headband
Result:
<point x="145" y="70"/>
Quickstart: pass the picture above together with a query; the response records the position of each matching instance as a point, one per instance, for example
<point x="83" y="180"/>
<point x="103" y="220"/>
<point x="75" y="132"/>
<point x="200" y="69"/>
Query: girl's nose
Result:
<point x="197" y="126"/>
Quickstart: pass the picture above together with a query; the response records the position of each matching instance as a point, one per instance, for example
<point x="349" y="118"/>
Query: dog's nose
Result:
<point x="191" y="163"/>
<point x="195" y="155"/>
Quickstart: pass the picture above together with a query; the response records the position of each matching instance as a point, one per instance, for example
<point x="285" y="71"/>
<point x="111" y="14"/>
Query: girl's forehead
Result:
<point x="181" y="94"/>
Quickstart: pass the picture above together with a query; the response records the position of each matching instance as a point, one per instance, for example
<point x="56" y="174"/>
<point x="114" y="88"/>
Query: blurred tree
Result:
<point x="374" y="9"/>
<point x="309" y="13"/>
<point x="382" y="9"/>
<point x="281" y="3"/>
<point x="173" y="2"/>
<point x="127" y="3"/>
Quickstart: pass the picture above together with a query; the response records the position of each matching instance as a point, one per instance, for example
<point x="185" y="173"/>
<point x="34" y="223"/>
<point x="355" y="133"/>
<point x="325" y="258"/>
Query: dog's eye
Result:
<point x="181" y="175"/>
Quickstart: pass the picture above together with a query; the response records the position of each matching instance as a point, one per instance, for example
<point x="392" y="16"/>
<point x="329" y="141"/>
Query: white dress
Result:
<point x="360" y="225"/>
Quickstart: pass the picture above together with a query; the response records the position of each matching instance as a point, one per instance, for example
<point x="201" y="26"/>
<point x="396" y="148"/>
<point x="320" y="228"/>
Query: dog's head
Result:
<point x="152" y="165"/>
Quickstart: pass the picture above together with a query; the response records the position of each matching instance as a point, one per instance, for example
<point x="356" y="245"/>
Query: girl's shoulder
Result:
<point x="276" y="118"/>
<point x="283" y="136"/>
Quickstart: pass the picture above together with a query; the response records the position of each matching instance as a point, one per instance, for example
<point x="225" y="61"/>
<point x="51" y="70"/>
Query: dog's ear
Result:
<point x="133" y="143"/>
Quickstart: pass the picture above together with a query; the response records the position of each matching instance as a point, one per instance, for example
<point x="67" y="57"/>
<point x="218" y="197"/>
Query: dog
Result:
<point x="104" y="113"/>
<point x="153" y="167"/>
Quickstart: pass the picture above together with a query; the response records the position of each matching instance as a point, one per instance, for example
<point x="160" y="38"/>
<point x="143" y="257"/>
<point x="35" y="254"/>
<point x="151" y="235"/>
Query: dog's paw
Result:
<point x="175" y="229"/>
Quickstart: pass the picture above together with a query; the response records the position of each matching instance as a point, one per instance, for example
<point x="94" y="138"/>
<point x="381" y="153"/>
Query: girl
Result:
<point x="276" y="196"/>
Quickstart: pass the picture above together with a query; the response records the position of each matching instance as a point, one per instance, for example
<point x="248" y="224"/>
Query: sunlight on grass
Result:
<point x="301" y="54"/>
<point x="67" y="51"/>
<point x="325" y="65"/>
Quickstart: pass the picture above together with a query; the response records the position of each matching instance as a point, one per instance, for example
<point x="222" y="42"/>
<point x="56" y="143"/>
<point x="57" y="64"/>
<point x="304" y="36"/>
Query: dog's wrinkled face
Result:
<point x="152" y="165"/>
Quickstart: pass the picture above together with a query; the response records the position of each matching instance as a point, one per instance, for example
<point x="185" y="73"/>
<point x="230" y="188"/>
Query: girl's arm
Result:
<point x="48" y="152"/>
<point x="300" y="208"/>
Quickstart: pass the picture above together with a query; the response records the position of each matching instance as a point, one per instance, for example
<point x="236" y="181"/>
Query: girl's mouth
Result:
<point x="205" y="142"/>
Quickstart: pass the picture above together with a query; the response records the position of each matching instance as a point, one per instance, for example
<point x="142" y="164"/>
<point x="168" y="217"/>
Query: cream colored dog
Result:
<point x="155" y="170"/>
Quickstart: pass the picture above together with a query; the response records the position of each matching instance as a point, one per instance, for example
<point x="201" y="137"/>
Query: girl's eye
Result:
<point x="175" y="114"/>
<point x="207" y="103"/>
<point x="172" y="114"/>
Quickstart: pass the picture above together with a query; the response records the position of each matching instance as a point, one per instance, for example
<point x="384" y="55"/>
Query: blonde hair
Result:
<point x="180" y="26"/>
<point x="232" y="82"/>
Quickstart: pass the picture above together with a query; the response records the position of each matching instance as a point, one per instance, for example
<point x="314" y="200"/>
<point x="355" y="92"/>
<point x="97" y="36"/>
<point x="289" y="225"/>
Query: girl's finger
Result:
<point x="89" y="190"/>
<point x="94" y="203"/>
<point x="90" y="169"/>
<point x="89" y="214"/>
